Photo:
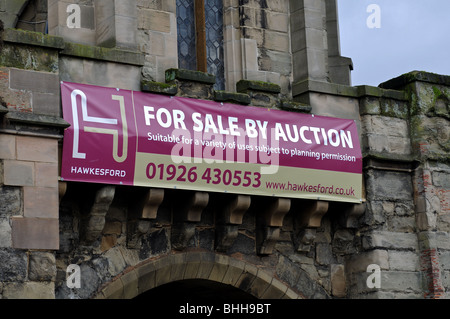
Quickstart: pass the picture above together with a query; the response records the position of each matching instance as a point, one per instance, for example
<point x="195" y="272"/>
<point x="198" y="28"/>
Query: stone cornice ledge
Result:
<point x="73" y="49"/>
<point x="103" y="54"/>
<point x="36" y="119"/>
<point x="309" y="85"/>
<point x="419" y="76"/>
<point x="33" y="38"/>
<point x="189" y="75"/>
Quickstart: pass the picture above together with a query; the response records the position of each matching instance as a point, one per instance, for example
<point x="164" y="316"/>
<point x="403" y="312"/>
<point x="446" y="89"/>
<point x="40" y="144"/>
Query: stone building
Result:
<point x="131" y="241"/>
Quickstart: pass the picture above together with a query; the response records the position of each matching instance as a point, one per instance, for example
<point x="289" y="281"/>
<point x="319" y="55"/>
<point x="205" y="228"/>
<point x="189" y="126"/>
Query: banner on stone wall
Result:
<point x="133" y="138"/>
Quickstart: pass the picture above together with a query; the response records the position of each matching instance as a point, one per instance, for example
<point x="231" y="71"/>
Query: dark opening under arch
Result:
<point x="196" y="290"/>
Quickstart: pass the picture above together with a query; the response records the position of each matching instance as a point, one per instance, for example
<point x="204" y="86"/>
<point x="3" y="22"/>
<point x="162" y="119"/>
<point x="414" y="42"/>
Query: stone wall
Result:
<point x="404" y="229"/>
<point x="30" y="130"/>
<point x="127" y="240"/>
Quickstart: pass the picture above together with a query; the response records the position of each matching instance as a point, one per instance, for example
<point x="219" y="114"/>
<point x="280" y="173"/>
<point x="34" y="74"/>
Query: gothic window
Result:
<point x="200" y="37"/>
<point x="31" y="15"/>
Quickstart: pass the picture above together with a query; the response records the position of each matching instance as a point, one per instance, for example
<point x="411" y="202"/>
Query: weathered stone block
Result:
<point x="271" y="40"/>
<point x="246" y="279"/>
<point x="13" y="265"/>
<point x="118" y="75"/>
<point x="275" y="61"/>
<point x="130" y="284"/>
<point x="162" y="276"/>
<point x="37" y="149"/>
<point x="13" y="99"/>
<point x="154" y="243"/>
<point x="152" y="4"/>
<point x="234" y="271"/>
<point x="108" y="241"/>
<point x="29" y="290"/>
<point x="430" y="136"/>
<point x="403" y="260"/>
<point x="5" y="232"/>
<point x="338" y="284"/>
<point x="230" y="97"/>
<point x="153" y="20"/>
<point x="286" y="271"/>
<point x="178" y="267"/>
<point x="443" y="240"/>
<point x="146" y="274"/>
<point x="385" y="185"/>
<point x="441" y="179"/>
<point x="125" y="31"/>
<point x="383" y="125"/>
<point x="290" y="294"/>
<point x="46" y="174"/>
<point x="390" y="240"/>
<point x="343" y="242"/>
<point x="334" y="105"/>
<point x="308" y="287"/>
<point x="324" y="255"/>
<point x="195" y="90"/>
<point x="34" y="81"/>
<point x="42" y="266"/>
<point x="401" y="281"/>
<point x="40" y="202"/>
<point x="7" y="146"/>
<point x="359" y="263"/>
<point x="256" y="17"/>
<point x="192" y="265"/>
<point x="276" y="290"/>
<point x="114" y="290"/>
<point x="161" y="5"/>
<point x="112" y="228"/>
<point x="158" y="87"/>
<point x="276" y="21"/>
<point x="260" y="284"/>
<point x="11" y="203"/>
<point x="116" y="261"/>
<point x="219" y="269"/>
<point x="18" y="173"/>
<point x="394" y="108"/>
<point x="244" y="86"/>
<point x="46" y="103"/>
<point x="35" y="233"/>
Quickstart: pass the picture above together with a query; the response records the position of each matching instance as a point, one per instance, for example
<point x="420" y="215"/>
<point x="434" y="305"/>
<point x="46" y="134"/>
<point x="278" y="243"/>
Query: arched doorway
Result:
<point x="195" y="290"/>
<point x="196" y="273"/>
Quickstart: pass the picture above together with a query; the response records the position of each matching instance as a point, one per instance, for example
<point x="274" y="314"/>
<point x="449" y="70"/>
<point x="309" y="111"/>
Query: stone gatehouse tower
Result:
<point x="130" y="241"/>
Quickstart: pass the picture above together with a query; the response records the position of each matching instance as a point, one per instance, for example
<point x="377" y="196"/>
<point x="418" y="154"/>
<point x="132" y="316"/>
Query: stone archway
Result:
<point x="191" y="290"/>
<point x="213" y="267"/>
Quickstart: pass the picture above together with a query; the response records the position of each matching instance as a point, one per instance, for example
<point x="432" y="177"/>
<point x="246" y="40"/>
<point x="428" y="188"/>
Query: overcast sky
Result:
<point x="413" y="35"/>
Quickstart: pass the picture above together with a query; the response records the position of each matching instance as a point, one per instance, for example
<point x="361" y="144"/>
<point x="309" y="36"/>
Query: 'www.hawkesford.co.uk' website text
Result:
<point x="317" y="188"/>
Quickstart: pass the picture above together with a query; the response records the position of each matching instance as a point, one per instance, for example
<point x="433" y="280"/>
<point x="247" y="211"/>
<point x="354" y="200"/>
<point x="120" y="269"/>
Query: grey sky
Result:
<point x="414" y="35"/>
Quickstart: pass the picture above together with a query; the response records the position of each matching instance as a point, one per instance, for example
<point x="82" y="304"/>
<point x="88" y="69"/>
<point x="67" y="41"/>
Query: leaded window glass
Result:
<point x="214" y="41"/>
<point x="186" y="35"/>
<point x="212" y="48"/>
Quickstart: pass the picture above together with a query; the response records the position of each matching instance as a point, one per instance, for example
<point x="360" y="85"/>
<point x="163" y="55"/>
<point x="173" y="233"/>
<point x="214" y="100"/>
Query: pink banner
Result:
<point x="114" y="132"/>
